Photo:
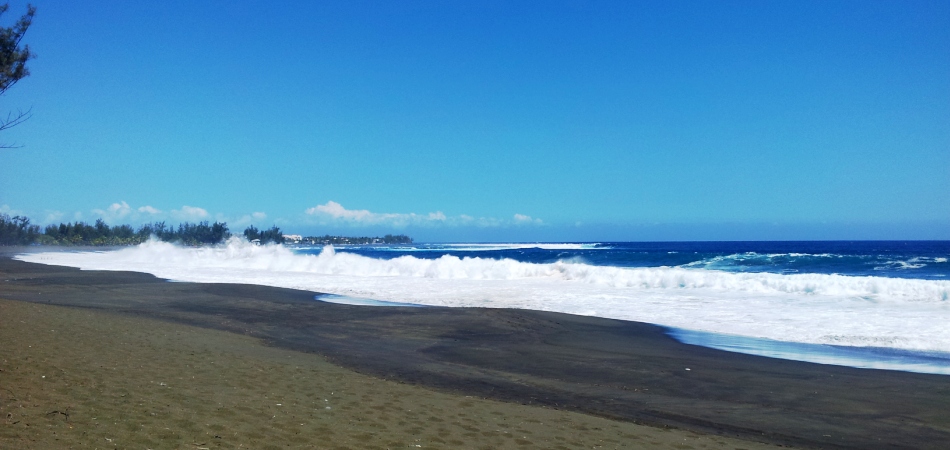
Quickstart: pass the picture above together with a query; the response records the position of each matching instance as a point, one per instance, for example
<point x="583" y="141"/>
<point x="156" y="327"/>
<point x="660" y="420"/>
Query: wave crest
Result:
<point x="901" y="313"/>
<point x="239" y="254"/>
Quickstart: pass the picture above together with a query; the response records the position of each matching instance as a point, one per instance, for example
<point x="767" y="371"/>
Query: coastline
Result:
<point x="626" y="371"/>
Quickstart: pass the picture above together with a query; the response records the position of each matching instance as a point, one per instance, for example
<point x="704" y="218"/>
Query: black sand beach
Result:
<point x="625" y="371"/>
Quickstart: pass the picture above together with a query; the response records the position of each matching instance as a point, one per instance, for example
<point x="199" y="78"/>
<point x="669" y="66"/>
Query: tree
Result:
<point x="17" y="230"/>
<point x="264" y="236"/>
<point x="251" y="233"/>
<point x="13" y="60"/>
<point x="272" y="235"/>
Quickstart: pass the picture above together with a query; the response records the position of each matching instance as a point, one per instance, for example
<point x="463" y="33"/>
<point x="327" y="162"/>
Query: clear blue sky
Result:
<point x="488" y="120"/>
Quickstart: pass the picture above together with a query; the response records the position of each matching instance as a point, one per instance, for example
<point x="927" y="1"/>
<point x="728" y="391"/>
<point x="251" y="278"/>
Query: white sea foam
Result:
<point x="811" y="308"/>
<point x="913" y="263"/>
<point x="727" y="260"/>
<point x="491" y="247"/>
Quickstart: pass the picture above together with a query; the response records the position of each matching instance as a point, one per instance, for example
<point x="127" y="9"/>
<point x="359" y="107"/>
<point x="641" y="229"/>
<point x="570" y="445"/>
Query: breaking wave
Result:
<point x="812" y="308"/>
<point x="489" y="247"/>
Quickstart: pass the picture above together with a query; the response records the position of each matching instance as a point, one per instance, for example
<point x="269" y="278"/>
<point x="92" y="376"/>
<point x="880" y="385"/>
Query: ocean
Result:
<point x="877" y="305"/>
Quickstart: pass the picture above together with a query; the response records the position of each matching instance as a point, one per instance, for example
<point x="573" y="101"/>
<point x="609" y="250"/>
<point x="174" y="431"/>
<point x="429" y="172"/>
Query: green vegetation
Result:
<point x="81" y="233"/>
<point x="272" y="235"/>
<point x="18" y="230"/>
<point x="13" y="60"/>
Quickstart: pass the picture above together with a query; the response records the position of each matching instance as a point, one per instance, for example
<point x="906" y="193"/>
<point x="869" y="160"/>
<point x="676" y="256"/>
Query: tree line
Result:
<point x="100" y="233"/>
<point x="18" y="230"/>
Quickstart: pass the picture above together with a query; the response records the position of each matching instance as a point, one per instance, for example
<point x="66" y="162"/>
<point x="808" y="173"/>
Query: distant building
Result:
<point x="293" y="238"/>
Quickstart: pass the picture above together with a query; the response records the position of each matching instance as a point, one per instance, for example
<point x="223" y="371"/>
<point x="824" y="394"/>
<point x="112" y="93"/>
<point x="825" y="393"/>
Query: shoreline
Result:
<point x="881" y="358"/>
<point x="626" y="371"/>
<point x="817" y="308"/>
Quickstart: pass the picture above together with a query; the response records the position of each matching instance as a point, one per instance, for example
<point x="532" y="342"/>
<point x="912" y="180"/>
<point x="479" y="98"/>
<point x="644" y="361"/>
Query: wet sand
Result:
<point x="524" y="362"/>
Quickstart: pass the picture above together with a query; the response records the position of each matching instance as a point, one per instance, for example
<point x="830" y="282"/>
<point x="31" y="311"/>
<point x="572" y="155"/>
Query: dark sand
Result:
<point x="626" y="371"/>
<point x="77" y="378"/>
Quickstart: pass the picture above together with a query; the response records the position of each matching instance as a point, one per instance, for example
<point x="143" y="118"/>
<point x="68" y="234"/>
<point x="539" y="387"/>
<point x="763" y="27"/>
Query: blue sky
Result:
<point x="474" y="121"/>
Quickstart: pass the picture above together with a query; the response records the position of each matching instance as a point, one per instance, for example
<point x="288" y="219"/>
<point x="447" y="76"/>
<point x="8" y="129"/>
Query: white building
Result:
<point x="293" y="238"/>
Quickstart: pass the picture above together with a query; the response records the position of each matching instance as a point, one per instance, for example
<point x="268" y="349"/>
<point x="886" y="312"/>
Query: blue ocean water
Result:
<point x="921" y="260"/>
<point x="926" y="260"/>
<point x="862" y="304"/>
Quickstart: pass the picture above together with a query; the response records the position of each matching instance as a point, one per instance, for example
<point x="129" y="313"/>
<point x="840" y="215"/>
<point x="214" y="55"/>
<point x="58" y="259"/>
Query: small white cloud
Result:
<point x="53" y="217"/>
<point x="521" y="219"/>
<point x="120" y="209"/>
<point x="332" y="211"/>
<point x="149" y="210"/>
<point x="6" y="209"/>
<point x="336" y="212"/>
<point x="190" y="213"/>
<point x="114" y="212"/>
<point x="249" y="219"/>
